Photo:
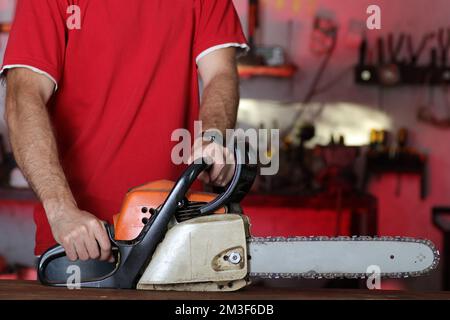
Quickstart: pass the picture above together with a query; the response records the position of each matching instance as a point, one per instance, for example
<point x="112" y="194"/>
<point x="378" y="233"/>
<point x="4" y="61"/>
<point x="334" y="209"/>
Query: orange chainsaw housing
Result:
<point x="136" y="208"/>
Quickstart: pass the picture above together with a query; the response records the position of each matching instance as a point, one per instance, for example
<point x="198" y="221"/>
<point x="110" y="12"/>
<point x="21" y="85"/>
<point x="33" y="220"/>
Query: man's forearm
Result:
<point x="220" y="102"/>
<point x="34" y="146"/>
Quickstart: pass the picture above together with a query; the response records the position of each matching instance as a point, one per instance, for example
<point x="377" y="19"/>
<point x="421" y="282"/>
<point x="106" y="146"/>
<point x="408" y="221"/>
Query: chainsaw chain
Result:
<point x="313" y="275"/>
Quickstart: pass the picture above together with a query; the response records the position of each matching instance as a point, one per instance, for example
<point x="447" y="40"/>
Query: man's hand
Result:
<point x="221" y="158"/>
<point x="82" y="235"/>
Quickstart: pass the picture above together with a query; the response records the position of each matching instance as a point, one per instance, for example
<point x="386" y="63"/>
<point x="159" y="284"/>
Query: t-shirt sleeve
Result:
<point x="218" y="26"/>
<point x="37" y="39"/>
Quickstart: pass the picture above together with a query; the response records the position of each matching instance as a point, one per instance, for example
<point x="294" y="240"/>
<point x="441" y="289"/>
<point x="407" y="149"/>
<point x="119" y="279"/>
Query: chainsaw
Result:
<point x="167" y="237"/>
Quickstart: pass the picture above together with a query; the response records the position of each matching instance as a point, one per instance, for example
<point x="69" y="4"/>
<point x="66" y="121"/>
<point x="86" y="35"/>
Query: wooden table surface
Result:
<point x="30" y="290"/>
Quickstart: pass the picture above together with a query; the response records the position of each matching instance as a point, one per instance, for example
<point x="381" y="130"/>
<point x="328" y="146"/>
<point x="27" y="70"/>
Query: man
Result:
<point x="90" y="110"/>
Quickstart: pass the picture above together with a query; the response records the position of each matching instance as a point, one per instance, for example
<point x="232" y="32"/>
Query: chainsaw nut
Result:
<point x="234" y="258"/>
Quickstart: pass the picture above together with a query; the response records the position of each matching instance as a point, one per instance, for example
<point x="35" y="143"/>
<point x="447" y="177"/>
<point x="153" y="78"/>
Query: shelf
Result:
<point x="248" y="71"/>
<point x="404" y="162"/>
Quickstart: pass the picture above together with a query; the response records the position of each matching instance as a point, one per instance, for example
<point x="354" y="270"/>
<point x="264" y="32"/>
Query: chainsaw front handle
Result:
<point x="134" y="256"/>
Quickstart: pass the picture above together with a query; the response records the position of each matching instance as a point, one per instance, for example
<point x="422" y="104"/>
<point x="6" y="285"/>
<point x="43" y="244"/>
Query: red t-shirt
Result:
<point x="125" y="81"/>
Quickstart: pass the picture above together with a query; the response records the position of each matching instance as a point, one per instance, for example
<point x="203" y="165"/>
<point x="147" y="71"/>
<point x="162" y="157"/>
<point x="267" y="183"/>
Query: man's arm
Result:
<point x="218" y="110"/>
<point x="220" y="98"/>
<point x="35" y="149"/>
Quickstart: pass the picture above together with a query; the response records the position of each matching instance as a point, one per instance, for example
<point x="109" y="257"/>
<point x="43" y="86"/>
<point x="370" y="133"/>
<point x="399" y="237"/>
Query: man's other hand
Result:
<point x="223" y="164"/>
<point x="82" y="235"/>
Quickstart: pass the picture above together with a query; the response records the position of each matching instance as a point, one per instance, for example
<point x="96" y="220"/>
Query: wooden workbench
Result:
<point x="30" y="290"/>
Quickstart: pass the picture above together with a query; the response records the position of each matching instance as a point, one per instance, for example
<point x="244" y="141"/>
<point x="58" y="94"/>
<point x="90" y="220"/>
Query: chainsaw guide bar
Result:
<point x="425" y="257"/>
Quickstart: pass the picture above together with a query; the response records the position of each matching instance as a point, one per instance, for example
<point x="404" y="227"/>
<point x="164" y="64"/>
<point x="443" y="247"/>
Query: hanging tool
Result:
<point x="416" y="54"/>
<point x="444" y="45"/>
<point x="394" y="49"/>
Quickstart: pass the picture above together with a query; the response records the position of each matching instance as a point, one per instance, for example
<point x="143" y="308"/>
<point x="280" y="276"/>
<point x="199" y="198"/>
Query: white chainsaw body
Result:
<point x="194" y="256"/>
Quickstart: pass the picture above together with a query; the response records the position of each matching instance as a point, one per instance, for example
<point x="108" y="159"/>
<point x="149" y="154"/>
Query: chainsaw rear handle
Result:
<point x="58" y="252"/>
<point x="135" y="255"/>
